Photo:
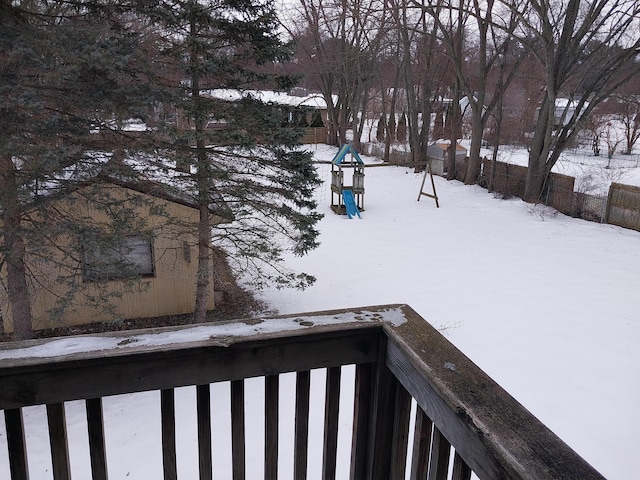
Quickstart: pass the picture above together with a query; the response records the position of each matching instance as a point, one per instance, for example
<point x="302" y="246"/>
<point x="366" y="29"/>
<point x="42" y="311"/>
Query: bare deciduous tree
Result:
<point x="342" y="42"/>
<point x="588" y="50"/>
<point x="424" y="71"/>
<point x="629" y="115"/>
<point x="485" y="52"/>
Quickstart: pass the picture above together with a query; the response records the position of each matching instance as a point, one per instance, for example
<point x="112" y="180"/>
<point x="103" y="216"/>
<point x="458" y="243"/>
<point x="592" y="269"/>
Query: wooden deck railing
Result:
<point x="397" y="358"/>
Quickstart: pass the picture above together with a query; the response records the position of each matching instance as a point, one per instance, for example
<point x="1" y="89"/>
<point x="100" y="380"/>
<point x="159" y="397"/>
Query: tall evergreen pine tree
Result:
<point x="67" y="70"/>
<point x="250" y="165"/>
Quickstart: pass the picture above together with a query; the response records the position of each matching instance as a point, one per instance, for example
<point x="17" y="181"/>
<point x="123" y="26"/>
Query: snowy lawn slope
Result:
<point x="548" y="305"/>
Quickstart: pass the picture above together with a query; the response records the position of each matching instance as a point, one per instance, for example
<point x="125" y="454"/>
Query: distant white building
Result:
<point x="564" y="110"/>
<point x="314" y="101"/>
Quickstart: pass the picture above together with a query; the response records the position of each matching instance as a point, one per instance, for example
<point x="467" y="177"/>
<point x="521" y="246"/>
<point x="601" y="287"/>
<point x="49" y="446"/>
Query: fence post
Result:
<point x="607" y="209"/>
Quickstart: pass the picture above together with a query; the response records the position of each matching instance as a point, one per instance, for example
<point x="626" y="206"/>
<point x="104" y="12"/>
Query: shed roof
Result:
<point x="160" y="190"/>
<point x="445" y="146"/>
<point x="157" y="189"/>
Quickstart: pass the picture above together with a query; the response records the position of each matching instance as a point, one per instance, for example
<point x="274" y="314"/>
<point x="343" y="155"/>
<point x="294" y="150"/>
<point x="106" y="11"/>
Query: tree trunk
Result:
<point x="391" y="123"/>
<point x="203" y="184"/>
<point x="14" y="248"/>
<point x="454" y="131"/>
<point x="332" y="118"/>
<point x="474" y="166"/>
<point x="412" y="107"/>
<point x="537" y="175"/>
<point x="204" y="260"/>
<point x="539" y="152"/>
<point x="383" y="118"/>
<point x="342" y="125"/>
<point x="496" y="146"/>
<point x="359" y="122"/>
<point x="427" y="110"/>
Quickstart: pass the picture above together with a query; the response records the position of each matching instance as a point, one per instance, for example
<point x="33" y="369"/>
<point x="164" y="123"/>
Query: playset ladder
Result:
<point x="427" y="170"/>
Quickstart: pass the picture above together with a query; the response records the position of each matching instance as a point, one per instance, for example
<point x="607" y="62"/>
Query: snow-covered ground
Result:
<point x="548" y="305"/>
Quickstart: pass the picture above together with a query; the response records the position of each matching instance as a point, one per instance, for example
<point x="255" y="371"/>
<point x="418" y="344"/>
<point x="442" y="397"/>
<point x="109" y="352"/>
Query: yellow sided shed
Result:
<point x="72" y="283"/>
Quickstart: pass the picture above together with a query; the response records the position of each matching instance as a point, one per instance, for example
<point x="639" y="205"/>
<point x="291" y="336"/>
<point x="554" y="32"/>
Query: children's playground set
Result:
<point x="349" y="199"/>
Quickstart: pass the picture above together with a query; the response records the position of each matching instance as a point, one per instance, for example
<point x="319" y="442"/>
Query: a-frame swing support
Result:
<point x="427" y="170"/>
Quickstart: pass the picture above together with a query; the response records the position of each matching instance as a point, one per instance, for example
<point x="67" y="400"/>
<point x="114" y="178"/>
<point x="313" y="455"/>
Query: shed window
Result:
<point x="131" y="257"/>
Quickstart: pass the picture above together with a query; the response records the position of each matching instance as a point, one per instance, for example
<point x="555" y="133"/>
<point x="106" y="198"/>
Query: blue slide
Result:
<point x="350" y="204"/>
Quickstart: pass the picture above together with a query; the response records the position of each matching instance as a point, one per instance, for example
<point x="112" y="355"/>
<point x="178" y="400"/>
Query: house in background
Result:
<point x="147" y="271"/>
<point x="314" y="121"/>
<point x="565" y="109"/>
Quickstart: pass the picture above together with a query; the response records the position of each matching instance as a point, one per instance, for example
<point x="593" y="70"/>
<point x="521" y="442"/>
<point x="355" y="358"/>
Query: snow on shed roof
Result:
<point x="313" y="100"/>
<point x="445" y="146"/>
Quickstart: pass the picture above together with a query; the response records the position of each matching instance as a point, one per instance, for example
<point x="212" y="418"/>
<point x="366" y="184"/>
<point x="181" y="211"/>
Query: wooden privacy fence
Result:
<point x="623" y="206"/>
<point x="313" y="135"/>
<point x="620" y="207"/>
<point x="464" y="421"/>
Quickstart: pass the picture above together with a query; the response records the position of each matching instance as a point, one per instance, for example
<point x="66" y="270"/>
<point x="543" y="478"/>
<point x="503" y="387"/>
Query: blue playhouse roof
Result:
<point x="346" y="149"/>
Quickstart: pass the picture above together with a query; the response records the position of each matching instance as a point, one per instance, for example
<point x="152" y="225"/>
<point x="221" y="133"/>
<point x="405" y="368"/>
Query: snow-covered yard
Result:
<point x="547" y="305"/>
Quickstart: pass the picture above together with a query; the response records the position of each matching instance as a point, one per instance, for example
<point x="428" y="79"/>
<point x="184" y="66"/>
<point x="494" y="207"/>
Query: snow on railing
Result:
<point x="399" y="402"/>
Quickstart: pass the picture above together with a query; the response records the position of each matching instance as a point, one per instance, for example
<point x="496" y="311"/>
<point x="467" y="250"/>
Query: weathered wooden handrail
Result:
<point x="397" y="356"/>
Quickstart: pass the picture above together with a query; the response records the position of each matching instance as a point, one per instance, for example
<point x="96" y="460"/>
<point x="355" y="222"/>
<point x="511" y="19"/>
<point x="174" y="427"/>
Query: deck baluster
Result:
<point x="237" y="430"/>
<point x="421" y="445"/>
<point x="14" y="425"/>
<point x="58" y="441"/>
<point x="301" y="440"/>
<point x="440" y="453"/>
<point x="381" y="430"/>
<point x="203" y="406"/>
<point x="399" y="446"/>
<point x="363" y="396"/>
<point x="168" y="414"/>
<point x="272" y="386"/>
<point x="95" y="428"/>
<point x="461" y="470"/>
<point x="332" y="407"/>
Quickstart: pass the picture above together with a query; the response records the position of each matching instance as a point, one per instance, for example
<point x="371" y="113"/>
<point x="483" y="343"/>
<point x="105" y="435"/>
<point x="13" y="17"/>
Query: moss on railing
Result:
<point x="399" y="358"/>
